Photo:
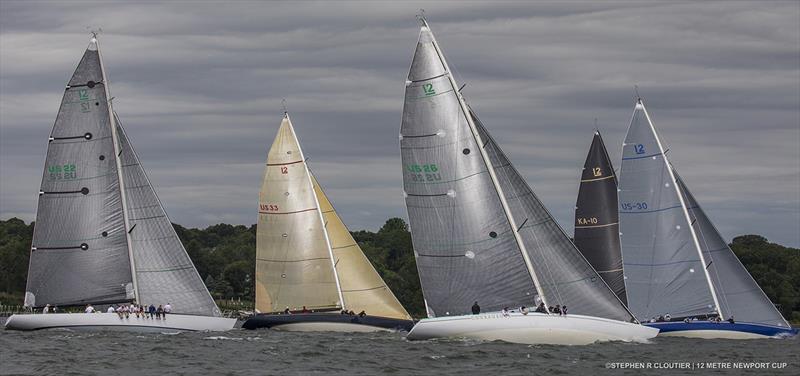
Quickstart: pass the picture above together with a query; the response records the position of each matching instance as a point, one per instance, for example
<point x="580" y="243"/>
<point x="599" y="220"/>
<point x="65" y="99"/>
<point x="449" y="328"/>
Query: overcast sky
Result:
<point x="198" y="86"/>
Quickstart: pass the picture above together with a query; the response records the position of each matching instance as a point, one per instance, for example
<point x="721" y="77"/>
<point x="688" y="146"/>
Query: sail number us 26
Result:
<point x="424" y="173"/>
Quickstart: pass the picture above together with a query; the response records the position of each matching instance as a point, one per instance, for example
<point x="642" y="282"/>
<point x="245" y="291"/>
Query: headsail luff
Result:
<point x="469" y="210"/>
<point x="362" y="286"/>
<point x="597" y="217"/>
<point x="739" y="294"/>
<point x="165" y="272"/>
<point x="80" y="251"/>
<point x="664" y="268"/>
<point x="294" y="266"/>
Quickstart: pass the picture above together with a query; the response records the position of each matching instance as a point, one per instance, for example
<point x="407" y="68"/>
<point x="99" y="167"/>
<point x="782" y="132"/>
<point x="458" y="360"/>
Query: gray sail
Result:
<point x="739" y="294"/>
<point x="164" y="271"/>
<point x="463" y="242"/>
<point x="597" y="217"/>
<point x="664" y="272"/>
<point x="79" y="253"/>
<point x="565" y="276"/>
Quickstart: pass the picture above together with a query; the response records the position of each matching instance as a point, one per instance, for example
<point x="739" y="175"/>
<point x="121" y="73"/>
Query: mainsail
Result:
<point x="164" y="271"/>
<point x="479" y="232"/>
<point x="597" y="217"/>
<point x="293" y="255"/>
<point x="305" y="255"/>
<point x="665" y="272"/>
<point x="101" y="234"/>
<point x="80" y="248"/>
<point x="739" y="294"/>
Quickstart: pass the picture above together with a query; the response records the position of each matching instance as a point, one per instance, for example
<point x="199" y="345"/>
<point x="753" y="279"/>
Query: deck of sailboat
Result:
<point x="721" y="330"/>
<point x="112" y="321"/>
<point x="533" y="328"/>
<point x="333" y="322"/>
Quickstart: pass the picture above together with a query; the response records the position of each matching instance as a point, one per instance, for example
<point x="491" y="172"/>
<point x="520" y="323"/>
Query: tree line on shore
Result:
<point x="225" y="258"/>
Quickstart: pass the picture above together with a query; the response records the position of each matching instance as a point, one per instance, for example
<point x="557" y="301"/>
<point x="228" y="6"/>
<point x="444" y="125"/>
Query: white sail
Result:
<point x="293" y="255"/>
<point x="664" y="269"/>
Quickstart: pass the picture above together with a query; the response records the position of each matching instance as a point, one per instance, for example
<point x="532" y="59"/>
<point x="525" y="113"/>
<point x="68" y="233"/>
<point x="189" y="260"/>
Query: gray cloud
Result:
<point x="199" y="86"/>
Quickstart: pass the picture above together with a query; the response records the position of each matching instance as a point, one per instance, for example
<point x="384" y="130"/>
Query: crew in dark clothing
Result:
<point x="476" y="309"/>
<point x="730" y="320"/>
<point x="557" y="309"/>
<point x="152" y="311"/>
<point x="541" y="308"/>
<point x="564" y="310"/>
<point x="362" y="314"/>
<point x="551" y="310"/>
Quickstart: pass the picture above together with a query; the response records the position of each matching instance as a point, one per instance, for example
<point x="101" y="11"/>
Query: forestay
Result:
<point x="739" y="294"/>
<point x="597" y="217"/>
<point x="363" y="289"/>
<point x="293" y="256"/>
<point x="79" y="252"/>
<point x="165" y="273"/>
<point x="664" y="272"/>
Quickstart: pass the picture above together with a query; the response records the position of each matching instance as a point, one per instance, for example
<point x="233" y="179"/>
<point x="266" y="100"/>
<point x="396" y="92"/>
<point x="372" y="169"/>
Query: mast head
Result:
<point x="421" y="18"/>
<point x="93" y="39"/>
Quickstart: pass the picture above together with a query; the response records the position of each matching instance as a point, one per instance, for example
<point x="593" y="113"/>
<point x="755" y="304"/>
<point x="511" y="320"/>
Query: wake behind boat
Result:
<point x="481" y="234"/>
<point x="306" y="257"/>
<point x="676" y="262"/>
<point x="102" y="236"/>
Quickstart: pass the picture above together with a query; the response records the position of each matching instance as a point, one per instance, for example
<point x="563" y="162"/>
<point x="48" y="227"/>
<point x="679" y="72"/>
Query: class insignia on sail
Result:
<point x="101" y="235"/>
<point x="680" y="274"/>
<point x="482" y="238"/>
<point x="310" y="272"/>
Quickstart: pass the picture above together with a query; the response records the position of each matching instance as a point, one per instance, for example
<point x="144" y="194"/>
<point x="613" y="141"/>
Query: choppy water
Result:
<point x="242" y="352"/>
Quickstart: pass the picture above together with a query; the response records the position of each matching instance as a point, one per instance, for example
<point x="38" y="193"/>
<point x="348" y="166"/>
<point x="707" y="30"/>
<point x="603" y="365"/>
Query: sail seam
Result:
<point x="292" y="212"/>
<point x="597" y="179"/>
<point x="649" y="211"/>
<point x="598" y="226"/>
<point x="283" y="164"/>
<point x="311" y="259"/>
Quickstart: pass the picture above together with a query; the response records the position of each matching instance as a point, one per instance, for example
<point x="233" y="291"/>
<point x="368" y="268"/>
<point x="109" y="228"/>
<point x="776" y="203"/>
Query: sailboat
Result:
<point x="482" y="238"/>
<point x="676" y="263"/>
<point x="102" y="236"/>
<point x="310" y="272"/>
<point x="597" y="217"/>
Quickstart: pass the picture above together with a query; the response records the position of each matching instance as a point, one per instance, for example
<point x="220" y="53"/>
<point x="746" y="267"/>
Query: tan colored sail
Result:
<point x="362" y="286"/>
<point x="293" y="258"/>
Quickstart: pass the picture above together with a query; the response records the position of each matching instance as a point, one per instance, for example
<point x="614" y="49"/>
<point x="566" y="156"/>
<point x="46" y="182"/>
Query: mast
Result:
<point x="319" y="213"/>
<point x="121" y="185"/>
<point x="683" y="208"/>
<point x="487" y="162"/>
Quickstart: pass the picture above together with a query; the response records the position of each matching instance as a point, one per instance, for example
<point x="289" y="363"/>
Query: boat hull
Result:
<point x="326" y="322"/>
<point x="534" y="328"/>
<point x="721" y="330"/>
<point x="112" y="321"/>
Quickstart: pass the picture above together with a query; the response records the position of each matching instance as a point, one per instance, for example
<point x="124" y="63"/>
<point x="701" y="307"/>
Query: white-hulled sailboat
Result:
<point x="480" y="234"/>
<point x="309" y="269"/>
<point x="676" y="263"/>
<point x="101" y="235"/>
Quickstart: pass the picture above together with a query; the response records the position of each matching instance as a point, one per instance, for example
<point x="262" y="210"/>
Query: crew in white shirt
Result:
<point x="110" y="309"/>
<point x="89" y="309"/>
